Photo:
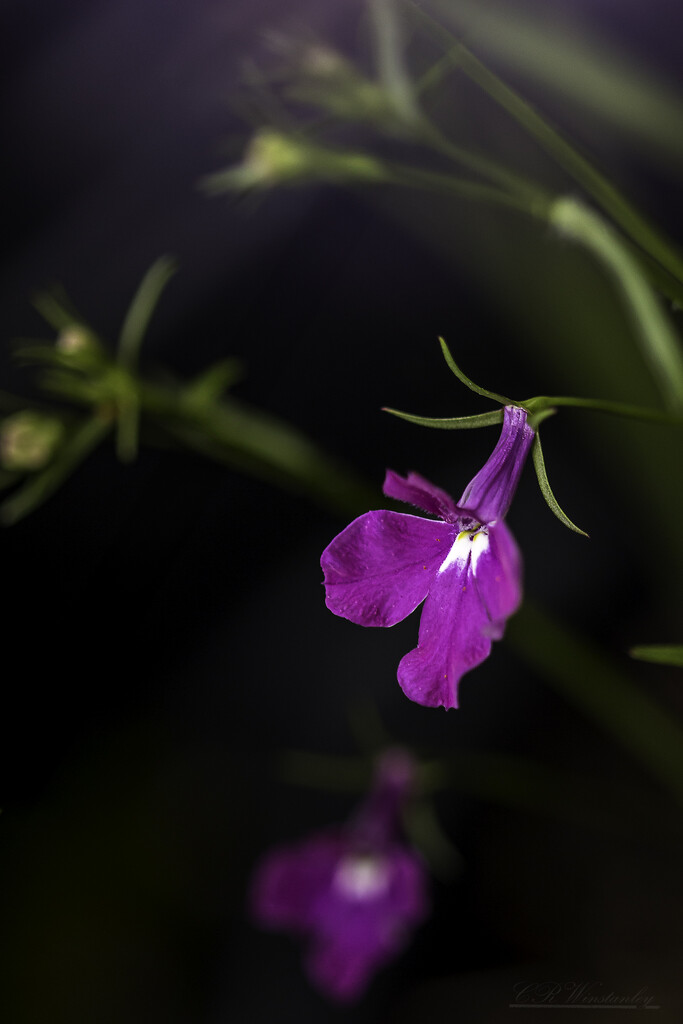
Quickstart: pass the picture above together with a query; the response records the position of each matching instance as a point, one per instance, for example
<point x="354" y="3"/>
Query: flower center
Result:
<point x="469" y="544"/>
<point x="362" y="877"/>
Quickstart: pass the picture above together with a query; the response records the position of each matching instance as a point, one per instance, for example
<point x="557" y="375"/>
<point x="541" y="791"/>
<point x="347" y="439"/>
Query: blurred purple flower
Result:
<point x="353" y="892"/>
<point x="466" y="564"/>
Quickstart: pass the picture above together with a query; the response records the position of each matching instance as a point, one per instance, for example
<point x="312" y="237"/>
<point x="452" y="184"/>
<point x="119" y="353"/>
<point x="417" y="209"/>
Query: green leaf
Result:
<point x="660" y="654"/>
<point x="28" y="352"/>
<point x="454" y="368"/>
<point x="130" y="339"/>
<point x="56" y="310"/>
<point x="141" y="308"/>
<point x="210" y="385"/>
<point x="546" y="491"/>
<point x="482" y="419"/>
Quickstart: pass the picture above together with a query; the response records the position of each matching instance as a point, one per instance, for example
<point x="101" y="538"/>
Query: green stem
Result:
<point x="602" y="190"/>
<point x="634" y="412"/>
<point x="532" y="195"/>
<point x="390" y="63"/>
<point x="133" y="330"/>
<point x="659" y="341"/>
<point x="659" y="654"/>
<point x="403" y="175"/>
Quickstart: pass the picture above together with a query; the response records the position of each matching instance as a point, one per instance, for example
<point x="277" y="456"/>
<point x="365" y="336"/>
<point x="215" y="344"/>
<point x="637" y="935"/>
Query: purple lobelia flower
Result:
<point x="353" y="892"/>
<point x="465" y="564"/>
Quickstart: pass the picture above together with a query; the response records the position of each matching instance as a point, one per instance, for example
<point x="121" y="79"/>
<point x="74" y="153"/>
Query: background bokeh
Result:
<point x="165" y="637"/>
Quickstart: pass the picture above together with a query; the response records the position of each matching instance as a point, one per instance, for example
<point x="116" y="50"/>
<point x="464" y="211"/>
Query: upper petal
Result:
<point x="380" y="567"/>
<point x="489" y="494"/>
<point x="415" y="490"/>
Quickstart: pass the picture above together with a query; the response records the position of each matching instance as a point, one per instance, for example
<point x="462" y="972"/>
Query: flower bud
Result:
<point x="28" y="440"/>
<point x="274" y="158"/>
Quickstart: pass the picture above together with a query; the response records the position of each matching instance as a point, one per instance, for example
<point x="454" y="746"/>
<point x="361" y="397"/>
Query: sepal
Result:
<point x="482" y="419"/>
<point x="464" y="379"/>
<point x="546" y="490"/>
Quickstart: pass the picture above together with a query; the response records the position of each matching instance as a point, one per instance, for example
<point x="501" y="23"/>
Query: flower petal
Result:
<point x="489" y="493"/>
<point x="452" y="639"/>
<point x="380" y="568"/>
<point x="415" y="490"/>
<point x="289" y="882"/>
<point x="498" y="579"/>
<point x="354" y="937"/>
<point x="341" y="972"/>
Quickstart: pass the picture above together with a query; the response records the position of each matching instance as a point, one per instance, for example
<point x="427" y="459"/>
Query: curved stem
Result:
<point x="634" y="412"/>
<point x="596" y="184"/>
<point x="659" y="341"/>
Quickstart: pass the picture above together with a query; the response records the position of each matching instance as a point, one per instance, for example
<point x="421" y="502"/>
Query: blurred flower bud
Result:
<point x="319" y="75"/>
<point x="28" y="440"/>
<point x="273" y="158"/>
<point x="325" y="79"/>
<point x="73" y="339"/>
<point x="79" y="345"/>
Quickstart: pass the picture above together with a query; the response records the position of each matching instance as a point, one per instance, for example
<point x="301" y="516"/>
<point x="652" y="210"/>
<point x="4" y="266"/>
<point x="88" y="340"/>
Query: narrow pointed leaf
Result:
<point x="483" y="419"/>
<point x="454" y="368"/>
<point x="141" y="308"/>
<point x="130" y="339"/>
<point x="210" y="385"/>
<point x="56" y="310"/>
<point x="539" y="466"/>
<point x="661" y="654"/>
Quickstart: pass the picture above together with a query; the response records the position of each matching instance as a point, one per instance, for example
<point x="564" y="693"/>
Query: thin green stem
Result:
<point x="634" y="412"/>
<point x="534" y="198"/>
<point x="130" y="339"/>
<point x="390" y="63"/>
<point x="415" y="177"/>
<point x="595" y="183"/>
<point x="140" y="310"/>
<point x="659" y="342"/>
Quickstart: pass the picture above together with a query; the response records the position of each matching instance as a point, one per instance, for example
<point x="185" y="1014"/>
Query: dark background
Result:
<point x="165" y="636"/>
